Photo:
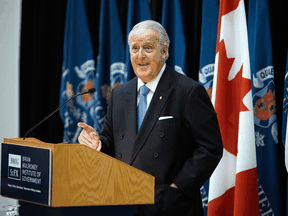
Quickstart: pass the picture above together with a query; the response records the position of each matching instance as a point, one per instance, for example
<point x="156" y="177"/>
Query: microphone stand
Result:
<point x="39" y="123"/>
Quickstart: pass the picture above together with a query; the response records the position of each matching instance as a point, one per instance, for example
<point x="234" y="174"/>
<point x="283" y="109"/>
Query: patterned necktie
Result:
<point x="142" y="106"/>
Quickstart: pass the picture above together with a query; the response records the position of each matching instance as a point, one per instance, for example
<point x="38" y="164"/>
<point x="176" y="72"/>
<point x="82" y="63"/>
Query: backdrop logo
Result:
<point x="81" y="80"/>
<point x="88" y="76"/>
<point x="265" y="106"/>
<point x="87" y="97"/>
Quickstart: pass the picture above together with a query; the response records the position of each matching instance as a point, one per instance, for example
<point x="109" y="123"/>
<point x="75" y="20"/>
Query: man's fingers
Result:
<point x="89" y="139"/>
<point x="86" y="127"/>
<point x="82" y="124"/>
<point x="94" y="140"/>
<point x="84" y="139"/>
<point x="94" y="134"/>
<point x="88" y="136"/>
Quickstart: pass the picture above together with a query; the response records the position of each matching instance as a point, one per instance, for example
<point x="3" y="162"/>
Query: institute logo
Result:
<point x="14" y="167"/>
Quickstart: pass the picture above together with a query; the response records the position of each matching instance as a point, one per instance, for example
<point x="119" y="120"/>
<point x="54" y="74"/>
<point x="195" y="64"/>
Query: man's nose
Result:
<point x="142" y="53"/>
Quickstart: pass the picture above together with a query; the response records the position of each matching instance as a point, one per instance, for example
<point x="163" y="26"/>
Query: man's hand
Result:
<point x="88" y="136"/>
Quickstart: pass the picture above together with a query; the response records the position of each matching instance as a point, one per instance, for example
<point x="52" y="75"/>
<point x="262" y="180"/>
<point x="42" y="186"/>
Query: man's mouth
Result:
<point x="143" y="65"/>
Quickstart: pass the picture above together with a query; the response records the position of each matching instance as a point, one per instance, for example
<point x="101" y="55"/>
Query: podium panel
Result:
<point x="70" y="175"/>
<point x="26" y="173"/>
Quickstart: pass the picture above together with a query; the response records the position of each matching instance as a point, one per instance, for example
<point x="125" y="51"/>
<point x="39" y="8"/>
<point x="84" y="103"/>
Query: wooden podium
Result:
<point x="77" y="176"/>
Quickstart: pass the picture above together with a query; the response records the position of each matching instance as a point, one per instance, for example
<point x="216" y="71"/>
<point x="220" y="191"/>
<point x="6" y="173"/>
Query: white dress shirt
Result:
<point x="152" y="85"/>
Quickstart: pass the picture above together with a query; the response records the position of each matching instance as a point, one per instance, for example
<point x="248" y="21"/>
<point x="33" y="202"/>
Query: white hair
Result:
<point x="150" y="24"/>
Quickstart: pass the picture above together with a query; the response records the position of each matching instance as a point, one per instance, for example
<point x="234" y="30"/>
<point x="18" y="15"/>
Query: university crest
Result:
<point x="265" y="106"/>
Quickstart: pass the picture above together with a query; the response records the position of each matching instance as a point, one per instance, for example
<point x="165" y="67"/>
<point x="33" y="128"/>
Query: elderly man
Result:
<point x="163" y="123"/>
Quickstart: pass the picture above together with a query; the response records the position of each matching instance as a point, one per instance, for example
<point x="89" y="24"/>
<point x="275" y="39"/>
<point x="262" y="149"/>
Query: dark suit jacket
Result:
<point x="184" y="149"/>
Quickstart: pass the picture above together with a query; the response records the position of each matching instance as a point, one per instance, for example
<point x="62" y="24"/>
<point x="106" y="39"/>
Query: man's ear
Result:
<point x="165" y="51"/>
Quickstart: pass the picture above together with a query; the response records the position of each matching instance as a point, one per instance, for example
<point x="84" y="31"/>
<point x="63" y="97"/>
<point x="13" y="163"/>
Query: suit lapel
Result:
<point x="159" y="98"/>
<point x="130" y="105"/>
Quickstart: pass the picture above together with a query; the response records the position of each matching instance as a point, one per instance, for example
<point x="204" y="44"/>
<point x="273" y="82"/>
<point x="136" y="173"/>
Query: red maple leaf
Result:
<point x="229" y="99"/>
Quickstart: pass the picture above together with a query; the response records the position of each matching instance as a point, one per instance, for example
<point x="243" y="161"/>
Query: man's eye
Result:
<point x="149" y="48"/>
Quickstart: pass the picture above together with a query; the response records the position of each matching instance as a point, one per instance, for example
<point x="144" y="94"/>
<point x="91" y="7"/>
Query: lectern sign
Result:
<point x="14" y="167"/>
<point x="26" y="173"/>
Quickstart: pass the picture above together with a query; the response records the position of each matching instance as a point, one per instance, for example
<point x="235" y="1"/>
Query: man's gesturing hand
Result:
<point x="88" y="136"/>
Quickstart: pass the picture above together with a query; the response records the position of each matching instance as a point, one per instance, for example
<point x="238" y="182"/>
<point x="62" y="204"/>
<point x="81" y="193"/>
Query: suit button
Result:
<point x="121" y="136"/>
<point x="161" y="134"/>
<point x="156" y="154"/>
<point x="119" y="155"/>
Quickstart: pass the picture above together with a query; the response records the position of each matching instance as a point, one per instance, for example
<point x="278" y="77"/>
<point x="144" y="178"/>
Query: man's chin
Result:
<point x="141" y="72"/>
<point x="144" y="77"/>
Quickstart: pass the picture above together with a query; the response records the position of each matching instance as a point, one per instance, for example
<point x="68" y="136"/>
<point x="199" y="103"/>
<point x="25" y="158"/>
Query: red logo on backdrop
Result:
<point x="265" y="106"/>
<point x="87" y="97"/>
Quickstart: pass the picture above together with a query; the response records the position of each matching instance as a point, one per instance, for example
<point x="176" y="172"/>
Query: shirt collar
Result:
<point x="152" y="85"/>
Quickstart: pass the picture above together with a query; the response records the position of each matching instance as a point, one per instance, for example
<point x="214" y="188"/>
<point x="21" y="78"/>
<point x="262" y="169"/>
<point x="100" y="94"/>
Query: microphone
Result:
<point x="90" y="91"/>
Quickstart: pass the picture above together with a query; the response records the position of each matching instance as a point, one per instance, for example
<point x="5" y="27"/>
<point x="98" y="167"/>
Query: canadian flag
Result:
<point x="233" y="185"/>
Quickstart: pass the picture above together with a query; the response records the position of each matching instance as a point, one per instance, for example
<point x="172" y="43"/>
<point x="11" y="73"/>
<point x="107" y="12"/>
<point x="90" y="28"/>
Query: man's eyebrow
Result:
<point x="150" y="42"/>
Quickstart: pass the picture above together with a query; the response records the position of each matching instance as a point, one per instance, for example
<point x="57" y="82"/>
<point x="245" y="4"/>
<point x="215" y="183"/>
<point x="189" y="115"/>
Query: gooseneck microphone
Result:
<point x="90" y="91"/>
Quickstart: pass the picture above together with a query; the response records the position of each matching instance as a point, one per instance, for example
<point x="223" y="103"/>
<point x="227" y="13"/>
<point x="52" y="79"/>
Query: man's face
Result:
<point x="146" y="55"/>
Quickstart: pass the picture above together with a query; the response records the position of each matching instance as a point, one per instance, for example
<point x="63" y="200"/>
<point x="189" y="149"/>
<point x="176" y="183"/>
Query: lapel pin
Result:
<point x="160" y="97"/>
